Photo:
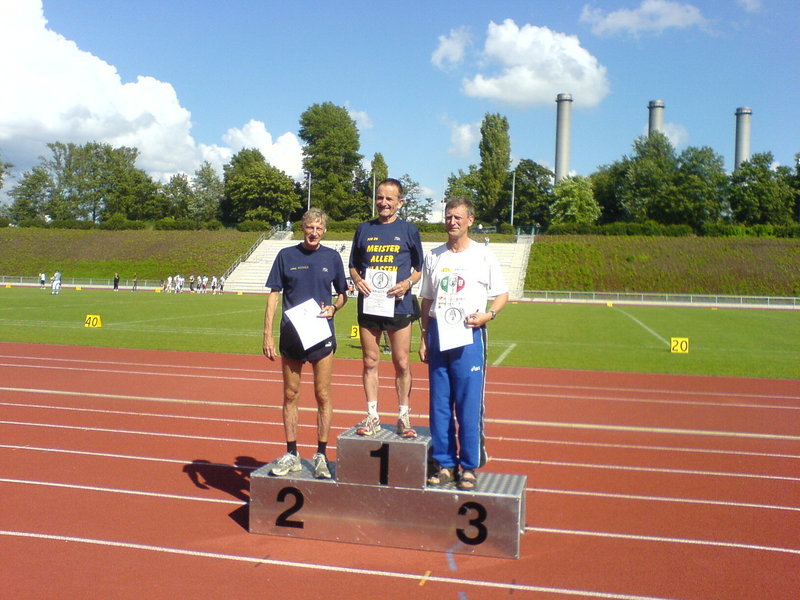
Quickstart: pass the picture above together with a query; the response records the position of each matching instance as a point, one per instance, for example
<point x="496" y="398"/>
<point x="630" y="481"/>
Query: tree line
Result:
<point x="95" y="184"/>
<point x="655" y="184"/>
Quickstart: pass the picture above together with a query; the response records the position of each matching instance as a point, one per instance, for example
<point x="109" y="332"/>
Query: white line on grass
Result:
<point x="646" y="328"/>
<point x="502" y="356"/>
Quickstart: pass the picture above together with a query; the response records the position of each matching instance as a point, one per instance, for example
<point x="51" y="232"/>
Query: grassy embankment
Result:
<point x="737" y="266"/>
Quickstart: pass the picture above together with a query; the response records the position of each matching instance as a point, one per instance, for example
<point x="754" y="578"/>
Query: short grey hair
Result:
<point x="316" y="215"/>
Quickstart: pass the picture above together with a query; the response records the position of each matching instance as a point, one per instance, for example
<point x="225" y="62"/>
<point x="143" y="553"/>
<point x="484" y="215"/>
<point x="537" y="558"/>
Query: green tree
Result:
<point x="95" y="178"/>
<point x="702" y="189"/>
<point x="254" y="189"/>
<point x="178" y="195"/>
<point x="607" y="183"/>
<point x="495" y="151"/>
<point x="574" y="202"/>
<point x="415" y="208"/>
<point x="331" y="156"/>
<point x="31" y="196"/>
<point x="533" y="195"/>
<point x="463" y="185"/>
<point x="648" y="186"/>
<point x="759" y="195"/>
<point x="4" y="168"/>
<point x="379" y="168"/>
<point x="208" y="191"/>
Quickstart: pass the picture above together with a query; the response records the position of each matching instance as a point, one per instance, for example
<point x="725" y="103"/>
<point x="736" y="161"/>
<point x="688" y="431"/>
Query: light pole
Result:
<point x="308" y="204"/>
<point x="513" y="189"/>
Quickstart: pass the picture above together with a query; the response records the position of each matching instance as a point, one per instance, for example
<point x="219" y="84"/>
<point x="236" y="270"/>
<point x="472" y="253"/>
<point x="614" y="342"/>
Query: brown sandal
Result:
<point x="468" y="480"/>
<point x="441" y="477"/>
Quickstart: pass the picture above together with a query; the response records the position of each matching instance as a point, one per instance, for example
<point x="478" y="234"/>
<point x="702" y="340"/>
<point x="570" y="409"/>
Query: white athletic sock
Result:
<point x="372" y="407"/>
<point x="403" y="410"/>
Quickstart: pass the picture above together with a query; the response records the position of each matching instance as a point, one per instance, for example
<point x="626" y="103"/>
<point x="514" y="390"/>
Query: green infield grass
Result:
<point x="734" y="342"/>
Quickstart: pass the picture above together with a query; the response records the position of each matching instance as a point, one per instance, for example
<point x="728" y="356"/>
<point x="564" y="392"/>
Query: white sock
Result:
<point x="403" y="410"/>
<point x="372" y="407"/>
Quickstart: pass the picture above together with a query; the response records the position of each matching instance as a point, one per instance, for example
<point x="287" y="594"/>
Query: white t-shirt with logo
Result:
<point x="464" y="280"/>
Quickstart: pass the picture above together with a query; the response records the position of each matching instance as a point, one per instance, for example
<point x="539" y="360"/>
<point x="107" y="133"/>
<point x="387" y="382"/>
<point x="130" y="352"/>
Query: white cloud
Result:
<point x="62" y="93"/>
<point x="750" y="5"/>
<point x="362" y="118"/>
<point x="463" y="138"/>
<point x="652" y="16"/>
<point x="451" y="48"/>
<point x="678" y="135"/>
<point x="285" y="153"/>
<point x="535" y="64"/>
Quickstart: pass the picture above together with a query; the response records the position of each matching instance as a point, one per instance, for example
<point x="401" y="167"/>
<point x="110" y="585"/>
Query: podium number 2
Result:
<point x="283" y="518"/>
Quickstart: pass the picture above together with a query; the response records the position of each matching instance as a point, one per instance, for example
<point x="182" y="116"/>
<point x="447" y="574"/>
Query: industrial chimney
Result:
<point x="563" y="124"/>
<point x="656" y="108"/>
<point x="742" y="136"/>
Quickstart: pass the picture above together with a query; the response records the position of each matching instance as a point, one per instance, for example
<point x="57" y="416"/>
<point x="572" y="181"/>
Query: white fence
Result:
<point x="664" y="299"/>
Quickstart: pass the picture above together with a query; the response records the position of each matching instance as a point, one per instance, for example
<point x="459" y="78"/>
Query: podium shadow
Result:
<point x="232" y="479"/>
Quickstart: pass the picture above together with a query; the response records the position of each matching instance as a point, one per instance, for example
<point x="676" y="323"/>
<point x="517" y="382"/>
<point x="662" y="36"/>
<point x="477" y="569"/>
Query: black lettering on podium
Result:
<point x="481" y="533"/>
<point x="383" y="454"/>
<point x="283" y="518"/>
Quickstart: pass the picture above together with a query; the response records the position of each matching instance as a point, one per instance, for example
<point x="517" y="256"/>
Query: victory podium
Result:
<point x="378" y="496"/>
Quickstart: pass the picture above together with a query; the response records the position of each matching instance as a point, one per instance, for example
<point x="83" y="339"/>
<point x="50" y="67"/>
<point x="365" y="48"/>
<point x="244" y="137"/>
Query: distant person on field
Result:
<point x="116" y="282"/>
<point x="135" y="282"/>
<point x="300" y="273"/>
<point x="42" y="279"/>
<point x="56" y="282"/>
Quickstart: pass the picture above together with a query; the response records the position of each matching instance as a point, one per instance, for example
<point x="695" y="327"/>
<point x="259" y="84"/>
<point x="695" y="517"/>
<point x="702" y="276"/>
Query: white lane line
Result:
<point x="668" y="540"/>
<point x="576" y="465"/>
<point x="558" y="424"/>
<point x="680" y="449"/>
<point x="523" y="384"/>
<point x="499" y="360"/>
<point x="530" y="490"/>
<point x="92" y="488"/>
<point x="656" y="430"/>
<point x="172" y="416"/>
<point x="500" y="585"/>
<point x="641" y="498"/>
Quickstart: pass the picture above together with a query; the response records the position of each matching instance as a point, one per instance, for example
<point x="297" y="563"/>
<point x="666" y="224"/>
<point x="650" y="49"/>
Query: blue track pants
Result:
<point x="457" y="379"/>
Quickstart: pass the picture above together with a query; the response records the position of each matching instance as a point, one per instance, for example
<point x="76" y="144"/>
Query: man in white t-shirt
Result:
<point x="459" y="277"/>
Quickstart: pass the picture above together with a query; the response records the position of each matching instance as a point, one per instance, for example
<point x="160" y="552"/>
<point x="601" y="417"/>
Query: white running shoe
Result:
<point x="286" y="463"/>
<point x="321" y="470"/>
<point x="369" y="426"/>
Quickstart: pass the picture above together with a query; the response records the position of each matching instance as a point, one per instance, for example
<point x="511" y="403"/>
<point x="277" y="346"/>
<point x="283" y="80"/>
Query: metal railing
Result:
<point x="264" y="236"/>
<point x="787" y="302"/>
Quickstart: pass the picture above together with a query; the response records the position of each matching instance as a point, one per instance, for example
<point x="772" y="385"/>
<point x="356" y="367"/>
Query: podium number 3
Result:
<point x="481" y="532"/>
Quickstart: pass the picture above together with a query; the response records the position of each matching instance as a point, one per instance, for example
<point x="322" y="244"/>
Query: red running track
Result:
<point x="124" y="474"/>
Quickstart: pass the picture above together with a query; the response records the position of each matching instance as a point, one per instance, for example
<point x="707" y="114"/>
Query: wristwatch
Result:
<point x="494" y="314"/>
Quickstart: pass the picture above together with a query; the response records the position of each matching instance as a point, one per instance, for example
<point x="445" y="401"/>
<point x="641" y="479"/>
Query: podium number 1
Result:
<point x="383" y="454"/>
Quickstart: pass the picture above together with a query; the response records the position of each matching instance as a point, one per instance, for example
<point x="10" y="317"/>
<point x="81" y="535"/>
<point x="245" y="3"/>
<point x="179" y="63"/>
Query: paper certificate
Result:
<point x="380" y="282"/>
<point x="311" y="328"/>
<point x="453" y="333"/>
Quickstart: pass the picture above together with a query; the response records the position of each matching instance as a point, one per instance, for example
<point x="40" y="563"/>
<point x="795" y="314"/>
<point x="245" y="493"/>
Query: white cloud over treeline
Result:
<point x="54" y="91"/>
<point x="524" y="66"/>
<point x="651" y="16"/>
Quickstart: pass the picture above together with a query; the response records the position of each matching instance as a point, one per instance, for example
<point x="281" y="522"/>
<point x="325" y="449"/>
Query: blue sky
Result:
<point x="187" y="81"/>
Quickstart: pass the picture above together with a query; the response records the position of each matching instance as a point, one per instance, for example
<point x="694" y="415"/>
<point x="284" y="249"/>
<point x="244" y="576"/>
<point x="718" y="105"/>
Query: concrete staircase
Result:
<point x="250" y="275"/>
